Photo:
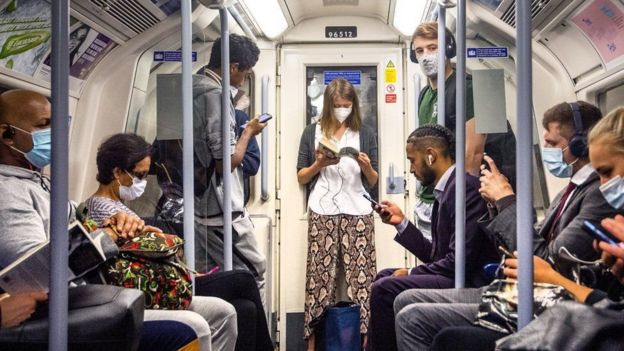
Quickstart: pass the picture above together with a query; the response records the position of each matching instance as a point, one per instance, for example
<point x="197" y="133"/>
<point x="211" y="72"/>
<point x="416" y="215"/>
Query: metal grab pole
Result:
<point x="225" y="137"/>
<point x="60" y="169"/>
<point x="524" y="163"/>
<point x="187" y="140"/>
<point x="417" y="90"/>
<point x="441" y="64"/>
<point x="264" y="165"/>
<point x="460" y="149"/>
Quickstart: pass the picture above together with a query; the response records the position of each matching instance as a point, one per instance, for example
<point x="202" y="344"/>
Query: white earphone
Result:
<point x="429" y="160"/>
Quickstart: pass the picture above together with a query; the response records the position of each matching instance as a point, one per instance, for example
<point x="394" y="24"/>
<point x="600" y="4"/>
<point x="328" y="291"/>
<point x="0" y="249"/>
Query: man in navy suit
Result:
<point x="430" y="150"/>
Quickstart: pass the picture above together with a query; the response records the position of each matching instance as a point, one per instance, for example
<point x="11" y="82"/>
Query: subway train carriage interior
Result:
<point x="311" y="175"/>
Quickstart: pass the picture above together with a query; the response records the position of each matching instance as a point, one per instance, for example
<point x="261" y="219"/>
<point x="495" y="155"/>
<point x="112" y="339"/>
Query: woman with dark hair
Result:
<point x="123" y="162"/>
<point x="340" y="219"/>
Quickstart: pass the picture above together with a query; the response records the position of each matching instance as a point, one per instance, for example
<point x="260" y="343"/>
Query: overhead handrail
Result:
<point x="59" y="184"/>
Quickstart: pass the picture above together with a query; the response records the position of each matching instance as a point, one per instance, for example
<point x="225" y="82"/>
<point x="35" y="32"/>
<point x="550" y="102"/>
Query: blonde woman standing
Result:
<point x="340" y="219"/>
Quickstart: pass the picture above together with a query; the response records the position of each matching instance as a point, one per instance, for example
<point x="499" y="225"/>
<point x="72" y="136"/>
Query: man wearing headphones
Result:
<point x="421" y="314"/>
<point x="431" y="152"/>
<point x="500" y="146"/>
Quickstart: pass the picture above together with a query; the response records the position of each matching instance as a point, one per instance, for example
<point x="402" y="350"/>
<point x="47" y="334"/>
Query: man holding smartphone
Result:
<point x="430" y="150"/>
<point x="421" y="314"/>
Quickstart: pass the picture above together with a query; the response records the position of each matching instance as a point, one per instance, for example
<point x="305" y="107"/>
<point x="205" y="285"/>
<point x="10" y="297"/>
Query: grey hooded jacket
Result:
<point x="24" y="212"/>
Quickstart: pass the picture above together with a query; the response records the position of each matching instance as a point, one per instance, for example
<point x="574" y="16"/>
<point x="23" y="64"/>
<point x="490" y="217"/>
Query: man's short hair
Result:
<point x="436" y="136"/>
<point x="242" y="51"/>
<point x="562" y="114"/>
<point x="429" y="30"/>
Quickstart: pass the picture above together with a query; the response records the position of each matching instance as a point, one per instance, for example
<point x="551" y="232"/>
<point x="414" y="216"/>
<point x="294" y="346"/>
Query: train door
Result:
<point x="377" y="74"/>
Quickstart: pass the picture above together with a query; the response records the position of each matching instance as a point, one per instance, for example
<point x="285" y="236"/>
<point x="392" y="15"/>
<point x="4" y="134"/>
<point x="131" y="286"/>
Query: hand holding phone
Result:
<point x="367" y="197"/>
<point x="506" y="252"/>
<point x="599" y="233"/>
<point x="263" y="118"/>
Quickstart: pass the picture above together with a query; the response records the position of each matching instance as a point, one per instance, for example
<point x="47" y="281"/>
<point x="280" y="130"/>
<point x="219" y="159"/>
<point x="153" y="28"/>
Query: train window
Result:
<point x="610" y="99"/>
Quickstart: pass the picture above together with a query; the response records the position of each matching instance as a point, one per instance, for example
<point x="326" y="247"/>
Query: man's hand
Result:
<point x="254" y="126"/>
<point x="494" y="185"/>
<point x="389" y="212"/>
<point x="18" y="308"/>
<point x="400" y="272"/>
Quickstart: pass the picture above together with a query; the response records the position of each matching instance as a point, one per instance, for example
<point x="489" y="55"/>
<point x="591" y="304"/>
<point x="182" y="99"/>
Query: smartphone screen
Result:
<point x="264" y="117"/>
<point x="596" y="231"/>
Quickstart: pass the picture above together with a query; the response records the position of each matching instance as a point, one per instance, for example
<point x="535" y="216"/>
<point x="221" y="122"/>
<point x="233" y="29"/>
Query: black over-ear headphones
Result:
<point x="451" y="49"/>
<point x="578" y="141"/>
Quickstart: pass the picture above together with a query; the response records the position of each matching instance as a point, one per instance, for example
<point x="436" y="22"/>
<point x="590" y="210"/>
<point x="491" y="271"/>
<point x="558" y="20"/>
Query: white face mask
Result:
<point x="233" y="91"/>
<point x="129" y="193"/>
<point x="429" y="64"/>
<point x="613" y="192"/>
<point x="342" y="113"/>
<point x="242" y="103"/>
<point x="314" y="89"/>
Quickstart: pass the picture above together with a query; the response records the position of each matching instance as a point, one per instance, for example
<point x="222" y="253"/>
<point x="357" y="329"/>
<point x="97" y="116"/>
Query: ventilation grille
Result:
<point x="537" y="6"/>
<point x="130" y="13"/>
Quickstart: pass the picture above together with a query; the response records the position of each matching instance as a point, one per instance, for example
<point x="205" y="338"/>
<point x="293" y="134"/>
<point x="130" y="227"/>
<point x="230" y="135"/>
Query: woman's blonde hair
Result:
<point x="610" y="130"/>
<point x="339" y="87"/>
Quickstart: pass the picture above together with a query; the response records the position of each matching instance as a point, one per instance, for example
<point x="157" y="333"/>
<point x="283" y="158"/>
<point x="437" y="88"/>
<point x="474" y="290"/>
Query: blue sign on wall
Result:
<point x="354" y="77"/>
<point x="490" y="52"/>
<point x="171" y="56"/>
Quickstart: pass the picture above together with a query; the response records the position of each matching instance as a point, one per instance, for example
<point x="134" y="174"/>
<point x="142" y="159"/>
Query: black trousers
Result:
<point x="239" y="288"/>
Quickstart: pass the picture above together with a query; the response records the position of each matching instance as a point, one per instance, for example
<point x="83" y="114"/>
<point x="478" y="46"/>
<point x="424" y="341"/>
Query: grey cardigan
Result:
<point x="368" y="145"/>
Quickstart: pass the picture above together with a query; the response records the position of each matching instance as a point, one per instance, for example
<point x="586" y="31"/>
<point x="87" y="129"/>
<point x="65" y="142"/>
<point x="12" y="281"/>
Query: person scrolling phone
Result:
<point x="338" y="214"/>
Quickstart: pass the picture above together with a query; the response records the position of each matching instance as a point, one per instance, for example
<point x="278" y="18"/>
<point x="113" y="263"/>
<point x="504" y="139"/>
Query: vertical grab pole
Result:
<point x="524" y="163"/>
<point x="225" y="125"/>
<point x="187" y="122"/>
<point x="441" y="64"/>
<point x="460" y="149"/>
<point x="60" y="169"/>
<point x="264" y="165"/>
<point x="417" y="90"/>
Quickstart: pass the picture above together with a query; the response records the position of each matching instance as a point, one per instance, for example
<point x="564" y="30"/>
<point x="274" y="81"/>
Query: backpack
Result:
<point x="152" y="263"/>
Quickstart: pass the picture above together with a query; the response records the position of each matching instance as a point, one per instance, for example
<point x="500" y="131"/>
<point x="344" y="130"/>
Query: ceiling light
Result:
<point x="408" y="14"/>
<point x="268" y="15"/>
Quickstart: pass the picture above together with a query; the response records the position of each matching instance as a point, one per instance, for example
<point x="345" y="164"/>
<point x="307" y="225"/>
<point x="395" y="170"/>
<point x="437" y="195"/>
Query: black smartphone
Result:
<point x="263" y="118"/>
<point x="506" y="252"/>
<point x="599" y="233"/>
<point x="367" y="197"/>
<point x="484" y="163"/>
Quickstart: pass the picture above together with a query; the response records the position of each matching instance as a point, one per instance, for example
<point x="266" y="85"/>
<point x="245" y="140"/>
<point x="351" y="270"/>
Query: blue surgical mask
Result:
<point x="134" y="191"/>
<point x="41" y="152"/>
<point x="613" y="192"/>
<point x="553" y="158"/>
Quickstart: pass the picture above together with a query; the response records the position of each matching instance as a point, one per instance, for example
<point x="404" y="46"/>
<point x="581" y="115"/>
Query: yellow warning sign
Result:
<point x="390" y="75"/>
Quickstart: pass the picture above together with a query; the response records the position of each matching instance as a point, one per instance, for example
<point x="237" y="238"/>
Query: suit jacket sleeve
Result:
<point x="475" y="208"/>
<point x="414" y="241"/>
<point x="593" y="208"/>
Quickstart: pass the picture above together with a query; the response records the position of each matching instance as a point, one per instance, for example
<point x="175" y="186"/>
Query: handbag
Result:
<point x="498" y="309"/>
<point x="338" y="328"/>
<point x="152" y="263"/>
